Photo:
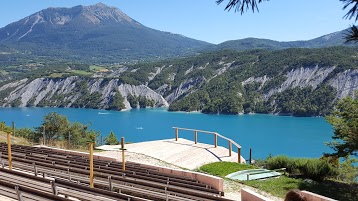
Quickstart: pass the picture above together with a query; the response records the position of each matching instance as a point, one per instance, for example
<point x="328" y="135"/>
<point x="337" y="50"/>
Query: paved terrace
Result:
<point x="183" y="153"/>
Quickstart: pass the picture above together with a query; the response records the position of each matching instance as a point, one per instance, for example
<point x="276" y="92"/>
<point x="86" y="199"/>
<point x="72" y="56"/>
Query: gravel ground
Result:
<point x="231" y="188"/>
<point x="138" y="158"/>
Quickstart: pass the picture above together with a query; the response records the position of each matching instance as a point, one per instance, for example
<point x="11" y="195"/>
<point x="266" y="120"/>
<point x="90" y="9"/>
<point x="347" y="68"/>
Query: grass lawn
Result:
<point x="329" y="188"/>
<point x="57" y="75"/>
<point x="276" y="186"/>
<point x="280" y="185"/>
<point x="81" y="72"/>
<point x="222" y="169"/>
<point x="97" y="68"/>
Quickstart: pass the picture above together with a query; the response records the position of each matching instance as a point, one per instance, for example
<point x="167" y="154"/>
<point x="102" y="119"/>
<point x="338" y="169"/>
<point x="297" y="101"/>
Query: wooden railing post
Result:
<point x="216" y="140"/>
<point x="196" y="137"/>
<point x="43" y="136"/>
<point x="230" y="148"/>
<point x="110" y="183"/>
<point x="216" y="135"/>
<point x="13" y="129"/>
<point x="9" y="151"/>
<point x="238" y="155"/>
<point x="91" y="165"/>
<point x="123" y="156"/>
<point x="176" y="134"/>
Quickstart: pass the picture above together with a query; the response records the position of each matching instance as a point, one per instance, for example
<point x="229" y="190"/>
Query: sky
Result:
<point x="281" y="20"/>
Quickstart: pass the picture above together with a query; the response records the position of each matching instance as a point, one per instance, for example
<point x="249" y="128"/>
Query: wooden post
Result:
<point x="110" y="183"/>
<point x="43" y="135"/>
<point x="238" y="155"/>
<point x="250" y="158"/>
<point x="69" y="139"/>
<point x="54" y="189"/>
<point x="196" y="137"/>
<point x="91" y="165"/>
<point x="123" y="156"/>
<point x="13" y="129"/>
<point x="230" y="148"/>
<point x="18" y="193"/>
<point x="176" y="134"/>
<point x="216" y="140"/>
<point x="9" y="151"/>
<point x="35" y="170"/>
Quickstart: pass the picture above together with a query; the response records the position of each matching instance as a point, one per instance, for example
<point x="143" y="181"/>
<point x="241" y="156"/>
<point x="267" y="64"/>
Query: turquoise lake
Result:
<point x="265" y="134"/>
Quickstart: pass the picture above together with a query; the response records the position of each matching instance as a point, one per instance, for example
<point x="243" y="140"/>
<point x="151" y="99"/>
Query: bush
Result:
<point x="278" y="162"/>
<point x="315" y="169"/>
<point x="348" y="171"/>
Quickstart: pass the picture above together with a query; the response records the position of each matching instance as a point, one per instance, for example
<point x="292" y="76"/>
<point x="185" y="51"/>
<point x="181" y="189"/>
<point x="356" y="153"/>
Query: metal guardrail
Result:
<point x="216" y="135"/>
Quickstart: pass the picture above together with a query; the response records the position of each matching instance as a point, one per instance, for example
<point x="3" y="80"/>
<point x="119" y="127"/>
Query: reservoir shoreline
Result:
<point x="265" y="134"/>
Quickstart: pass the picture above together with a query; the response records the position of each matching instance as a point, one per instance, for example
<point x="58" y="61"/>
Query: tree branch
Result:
<point x="352" y="35"/>
<point x="353" y="12"/>
<point x="241" y="5"/>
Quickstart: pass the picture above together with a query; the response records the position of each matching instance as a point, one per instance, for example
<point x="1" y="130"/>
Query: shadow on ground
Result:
<point x="336" y="190"/>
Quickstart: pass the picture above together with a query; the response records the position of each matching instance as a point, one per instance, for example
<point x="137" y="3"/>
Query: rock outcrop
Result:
<point x="65" y="92"/>
<point x="302" y="77"/>
<point x="184" y="88"/>
<point x="346" y="83"/>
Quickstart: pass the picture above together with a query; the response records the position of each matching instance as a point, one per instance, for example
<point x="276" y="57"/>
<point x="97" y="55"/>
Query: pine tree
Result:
<point x="344" y="120"/>
<point x="111" y="139"/>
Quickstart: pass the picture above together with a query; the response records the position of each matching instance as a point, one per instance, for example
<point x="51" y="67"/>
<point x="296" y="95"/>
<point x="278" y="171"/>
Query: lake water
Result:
<point x="265" y="134"/>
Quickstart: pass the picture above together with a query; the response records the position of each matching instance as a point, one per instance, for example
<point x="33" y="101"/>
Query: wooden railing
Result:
<point x="216" y="135"/>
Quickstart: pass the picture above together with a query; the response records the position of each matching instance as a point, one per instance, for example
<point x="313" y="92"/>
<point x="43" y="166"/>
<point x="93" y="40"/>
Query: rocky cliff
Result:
<point x="66" y="92"/>
<point x="345" y="83"/>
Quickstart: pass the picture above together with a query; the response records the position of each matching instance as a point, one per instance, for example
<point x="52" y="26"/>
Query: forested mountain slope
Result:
<point x="328" y="40"/>
<point x="301" y="82"/>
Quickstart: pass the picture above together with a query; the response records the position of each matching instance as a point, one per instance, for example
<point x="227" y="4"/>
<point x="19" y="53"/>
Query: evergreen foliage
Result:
<point x="243" y="5"/>
<point x="344" y="120"/>
<point x="58" y="128"/>
<point x="117" y="102"/>
<point x="140" y="101"/>
<point x="111" y="139"/>
<point x="55" y="125"/>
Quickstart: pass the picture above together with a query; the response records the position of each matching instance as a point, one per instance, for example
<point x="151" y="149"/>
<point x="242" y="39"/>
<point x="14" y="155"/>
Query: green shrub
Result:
<point x="278" y="162"/>
<point x="296" y="164"/>
<point x="348" y="171"/>
<point x="315" y="169"/>
<point x="291" y="164"/>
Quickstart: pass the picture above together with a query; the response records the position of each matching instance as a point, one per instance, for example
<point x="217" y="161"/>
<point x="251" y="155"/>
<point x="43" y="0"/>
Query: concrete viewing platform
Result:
<point x="183" y="153"/>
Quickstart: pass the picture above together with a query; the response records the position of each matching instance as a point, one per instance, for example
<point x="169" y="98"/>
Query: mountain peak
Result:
<point x="100" y="4"/>
<point x="101" y="13"/>
<point x="92" y="32"/>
